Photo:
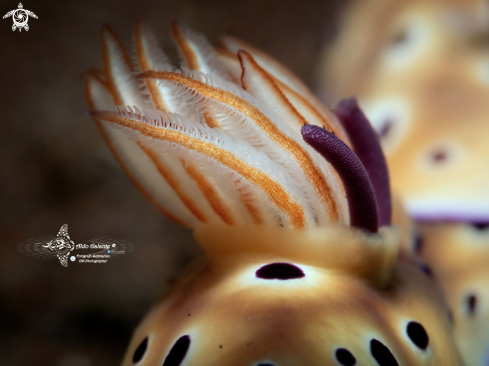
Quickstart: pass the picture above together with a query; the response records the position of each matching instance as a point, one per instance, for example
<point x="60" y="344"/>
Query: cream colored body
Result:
<point x="219" y="148"/>
<point x="423" y="66"/>
<point x="234" y="318"/>
<point x="458" y="255"/>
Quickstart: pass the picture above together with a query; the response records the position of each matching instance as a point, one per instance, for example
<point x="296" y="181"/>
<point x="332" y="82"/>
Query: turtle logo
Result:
<point x="20" y="17"/>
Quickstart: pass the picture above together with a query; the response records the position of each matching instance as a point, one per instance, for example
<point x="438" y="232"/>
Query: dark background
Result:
<point x="55" y="169"/>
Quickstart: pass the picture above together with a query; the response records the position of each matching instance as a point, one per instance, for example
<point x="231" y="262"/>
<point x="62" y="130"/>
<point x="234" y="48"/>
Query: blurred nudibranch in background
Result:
<point x="420" y="70"/>
<point x="290" y="202"/>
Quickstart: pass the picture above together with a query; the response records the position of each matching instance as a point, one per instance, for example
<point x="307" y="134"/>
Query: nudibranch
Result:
<point x="289" y="201"/>
<point x="458" y="255"/>
<point x="420" y="71"/>
<point x="421" y="75"/>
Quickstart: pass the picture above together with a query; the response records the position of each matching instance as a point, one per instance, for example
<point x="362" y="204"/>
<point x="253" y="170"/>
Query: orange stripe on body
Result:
<point x="274" y="190"/>
<point x="135" y="181"/>
<point x="106" y="61"/>
<point x="313" y="174"/>
<point x="98" y="75"/>
<point x="174" y="184"/>
<point x="253" y="211"/>
<point x="331" y="124"/>
<point x="88" y="94"/>
<point x="119" y="159"/>
<point x="187" y="50"/>
<point x="210" y="194"/>
<point x="145" y="65"/>
<point x="268" y="79"/>
<point x="211" y="121"/>
<point x="233" y="45"/>
<point x="192" y="60"/>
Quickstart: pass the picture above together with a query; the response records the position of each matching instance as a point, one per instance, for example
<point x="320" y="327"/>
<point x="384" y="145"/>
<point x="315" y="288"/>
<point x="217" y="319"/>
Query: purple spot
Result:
<point x="425" y="269"/>
<point x="359" y="190"/>
<point x="418" y="335"/>
<point x="450" y="316"/>
<point x="140" y="351"/>
<point x="382" y="354"/>
<point x="400" y="38"/>
<point x="279" y="271"/>
<point x="471" y="304"/>
<point x="480" y="225"/>
<point x="418" y="243"/>
<point x="386" y="128"/>
<point x="367" y="147"/>
<point x="345" y="357"/>
<point x="439" y="156"/>
<point x="178" y="351"/>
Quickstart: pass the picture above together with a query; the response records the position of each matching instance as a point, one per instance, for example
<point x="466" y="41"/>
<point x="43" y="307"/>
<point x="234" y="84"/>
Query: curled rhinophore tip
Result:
<point x="359" y="190"/>
<point x="367" y="147"/>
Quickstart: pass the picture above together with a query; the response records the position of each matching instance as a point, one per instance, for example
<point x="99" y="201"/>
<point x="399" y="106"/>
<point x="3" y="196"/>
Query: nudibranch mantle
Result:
<point x="232" y="315"/>
<point x="367" y="256"/>
<point x="297" y="270"/>
<point x="420" y="74"/>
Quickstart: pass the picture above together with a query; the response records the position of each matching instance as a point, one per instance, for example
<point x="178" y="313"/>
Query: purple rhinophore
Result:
<point x="359" y="190"/>
<point x="367" y="147"/>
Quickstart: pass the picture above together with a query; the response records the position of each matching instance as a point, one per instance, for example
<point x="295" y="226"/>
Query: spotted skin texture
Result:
<point x="302" y="269"/>
<point x="367" y="147"/>
<point x="421" y="79"/>
<point x="458" y="255"/>
<point x="361" y="197"/>
<point x="234" y="318"/>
